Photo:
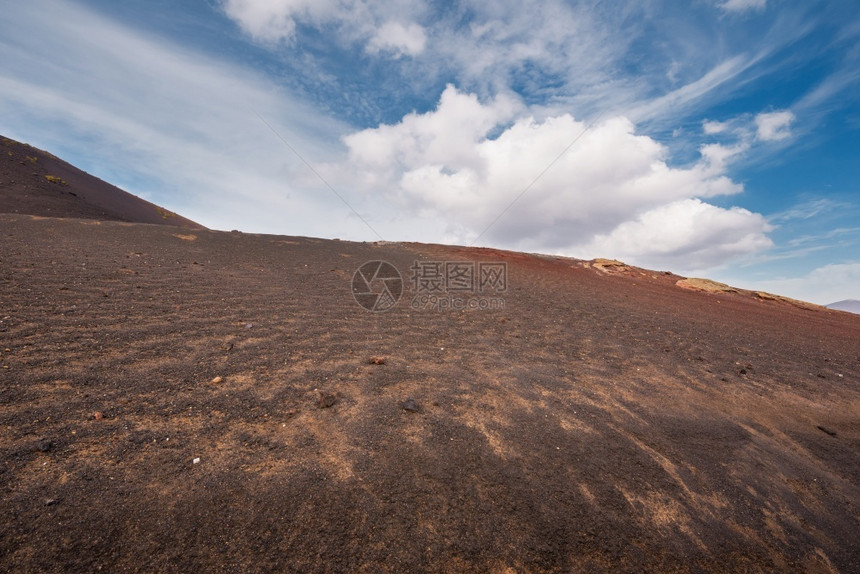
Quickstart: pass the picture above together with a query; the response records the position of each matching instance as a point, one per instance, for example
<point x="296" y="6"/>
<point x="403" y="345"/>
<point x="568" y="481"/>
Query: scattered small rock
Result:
<point x="98" y="415"/>
<point x="826" y="430"/>
<point x="51" y="501"/>
<point x="326" y="400"/>
<point x="377" y="360"/>
<point x="249" y="325"/>
<point x="196" y="460"/>
<point x="227" y="348"/>
<point x="410" y="405"/>
<point x="45" y="445"/>
<point x="218" y="379"/>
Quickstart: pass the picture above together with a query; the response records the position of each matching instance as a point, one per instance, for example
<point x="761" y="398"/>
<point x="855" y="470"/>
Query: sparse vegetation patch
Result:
<point x="55" y="179"/>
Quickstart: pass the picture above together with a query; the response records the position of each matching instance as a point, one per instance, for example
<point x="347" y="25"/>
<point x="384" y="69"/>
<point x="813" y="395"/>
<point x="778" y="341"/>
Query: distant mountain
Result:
<point x="34" y="182"/>
<point x="850" y="305"/>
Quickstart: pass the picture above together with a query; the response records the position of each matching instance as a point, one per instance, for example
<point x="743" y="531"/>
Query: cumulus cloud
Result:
<point x="742" y="5"/>
<point x="467" y="160"/>
<point x="774" y="126"/>
<point x="398" y="38"/>
<point x="685" y="235"/>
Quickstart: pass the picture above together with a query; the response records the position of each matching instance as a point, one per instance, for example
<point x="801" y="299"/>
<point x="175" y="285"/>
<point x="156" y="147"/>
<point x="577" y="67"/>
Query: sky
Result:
<point x="712" y="138"/>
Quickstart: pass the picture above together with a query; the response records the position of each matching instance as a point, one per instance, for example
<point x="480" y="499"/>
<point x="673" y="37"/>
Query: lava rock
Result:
<point x="326" y="400"/>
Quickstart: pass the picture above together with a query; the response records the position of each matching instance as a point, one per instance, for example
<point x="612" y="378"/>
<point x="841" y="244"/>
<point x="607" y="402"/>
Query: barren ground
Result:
<point x="604" y="420"/>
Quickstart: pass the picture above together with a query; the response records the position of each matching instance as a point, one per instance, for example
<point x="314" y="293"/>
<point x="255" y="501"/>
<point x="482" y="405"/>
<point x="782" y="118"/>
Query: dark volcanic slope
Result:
<point x="600" y="421"/>
<point x="35" y="182"/>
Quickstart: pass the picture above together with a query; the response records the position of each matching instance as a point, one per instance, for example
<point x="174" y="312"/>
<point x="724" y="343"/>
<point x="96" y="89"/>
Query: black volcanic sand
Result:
<point x="34" y="182"/>
<point x="599" y="422"/>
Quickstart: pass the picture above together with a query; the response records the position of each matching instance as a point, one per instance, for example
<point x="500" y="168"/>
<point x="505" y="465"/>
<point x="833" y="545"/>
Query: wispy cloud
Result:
<point x="681" y="99"/>
<point x="159" y="120"/>
<point x="399" y="39"/>
<point x="826" y="238"/>
<point x="713" y="127"/>
<point x="827" y="92"/>
<point x="807" y="210"/>
<point x="388" y="27"/>
<point x="738" y="6"/>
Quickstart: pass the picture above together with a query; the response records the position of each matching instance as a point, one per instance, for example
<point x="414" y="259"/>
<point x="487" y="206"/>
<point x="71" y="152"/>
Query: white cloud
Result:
<point x="774" y="126"/>
<point x="742" y="5"/>
<point x="686" y="236"/>
<point x="386" y="28"/>
<point x="272" y="21"/>
<point x="612" y="183"/>
<point x="713" y="127"/>
<point x="718" y="156"/>
<point x="450" y="134"/>
<point x="398" y="38"/>
<point x="578" y="52"/>
<point x="269" y="22"/>
<point x="559" y="38"/>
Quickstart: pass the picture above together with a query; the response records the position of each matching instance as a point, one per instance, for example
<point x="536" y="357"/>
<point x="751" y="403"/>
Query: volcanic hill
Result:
<point x="176" y="400"/>
<point x="35" y="182"/>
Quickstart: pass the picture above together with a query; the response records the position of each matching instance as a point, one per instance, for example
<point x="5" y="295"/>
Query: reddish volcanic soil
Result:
<point x="603" y="420"/>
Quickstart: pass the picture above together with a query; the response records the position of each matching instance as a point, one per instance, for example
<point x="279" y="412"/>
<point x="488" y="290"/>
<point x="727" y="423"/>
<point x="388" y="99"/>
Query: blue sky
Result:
<point x="714" y="138"/>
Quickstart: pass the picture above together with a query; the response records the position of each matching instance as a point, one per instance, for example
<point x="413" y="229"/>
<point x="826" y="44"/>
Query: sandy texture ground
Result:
<point x="604" y="419"/>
